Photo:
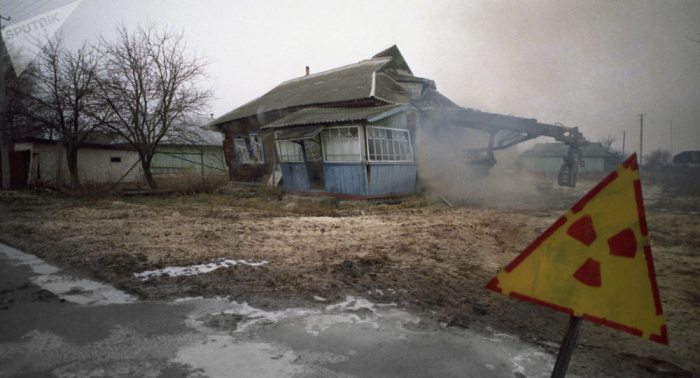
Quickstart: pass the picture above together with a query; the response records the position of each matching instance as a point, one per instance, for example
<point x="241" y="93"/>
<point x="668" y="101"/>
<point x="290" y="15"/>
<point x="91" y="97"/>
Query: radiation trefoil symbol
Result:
<point x="595" y="261"/>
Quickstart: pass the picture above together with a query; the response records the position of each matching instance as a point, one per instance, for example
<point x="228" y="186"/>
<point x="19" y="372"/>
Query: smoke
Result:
<point x="448" y="169"/>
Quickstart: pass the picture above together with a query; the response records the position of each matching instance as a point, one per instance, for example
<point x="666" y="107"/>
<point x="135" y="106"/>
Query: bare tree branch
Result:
<point x="64" y="97"/>
<point x="149" y="83"/>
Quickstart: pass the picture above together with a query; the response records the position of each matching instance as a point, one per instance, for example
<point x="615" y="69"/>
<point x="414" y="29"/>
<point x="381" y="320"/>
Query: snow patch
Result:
<point x="530" y="361"/>
<point x="194" y="269"/>
<point x="37" y="265"/>
<point x="72" y="289"/>
<point x="352" y="310"/>
<point x="82" y="291"/>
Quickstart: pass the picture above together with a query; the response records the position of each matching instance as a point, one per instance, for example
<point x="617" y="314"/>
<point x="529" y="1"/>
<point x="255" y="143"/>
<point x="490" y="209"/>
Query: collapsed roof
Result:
<point x="383" y="80"/>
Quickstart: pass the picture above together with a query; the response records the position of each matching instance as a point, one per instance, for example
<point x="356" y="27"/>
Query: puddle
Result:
<point x="354" y="337"/>
<point x="224" y="357"/>
<point x="357" y="337"/>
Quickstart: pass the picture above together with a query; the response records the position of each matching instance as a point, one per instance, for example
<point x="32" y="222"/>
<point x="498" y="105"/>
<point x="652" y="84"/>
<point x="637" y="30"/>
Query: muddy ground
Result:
<point x="429" y="257"/>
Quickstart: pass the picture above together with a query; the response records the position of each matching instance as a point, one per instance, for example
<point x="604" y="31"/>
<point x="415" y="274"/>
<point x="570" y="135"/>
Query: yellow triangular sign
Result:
<point x="595" y="261"/>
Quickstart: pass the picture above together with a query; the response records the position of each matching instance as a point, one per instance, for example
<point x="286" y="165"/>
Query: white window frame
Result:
<point x="388" y="145"/>
<point x="242" y="153"/>
<point x="256" y="145"/>
<point x="288" y="151"/>
<point x="339" y="146"/>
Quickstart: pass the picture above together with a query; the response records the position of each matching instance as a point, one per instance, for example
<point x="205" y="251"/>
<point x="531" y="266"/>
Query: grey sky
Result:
<point x="592" y="64"/>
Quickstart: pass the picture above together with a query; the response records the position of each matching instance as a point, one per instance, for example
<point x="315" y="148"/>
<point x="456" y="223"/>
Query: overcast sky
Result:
<point x="592" y="64"/>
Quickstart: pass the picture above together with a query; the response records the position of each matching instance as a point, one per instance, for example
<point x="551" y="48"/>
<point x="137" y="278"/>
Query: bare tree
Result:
<point x="149" y="83"/>
<point x="18" y="105"/>
<point x="607" y="141"/>
<point x="658" y="159"/>
<point x="64" y="98"/>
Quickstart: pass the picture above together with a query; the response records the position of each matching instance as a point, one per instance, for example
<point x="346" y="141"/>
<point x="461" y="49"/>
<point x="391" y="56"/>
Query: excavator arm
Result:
<point x="506" y="131"/>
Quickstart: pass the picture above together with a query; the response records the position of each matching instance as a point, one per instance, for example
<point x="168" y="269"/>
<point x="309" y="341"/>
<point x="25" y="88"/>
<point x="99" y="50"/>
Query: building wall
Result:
<point x="208" y="160"/>
<point x="361" y="178"/>
<point x="345" y="178"/>
<point x="95" y="165"/>
<point x="255" y="172"/>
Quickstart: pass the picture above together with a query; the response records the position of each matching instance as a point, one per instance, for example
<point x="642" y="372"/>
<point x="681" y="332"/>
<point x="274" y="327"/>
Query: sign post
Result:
<point x="594" y="263"/>
<point x="567" y="347"/>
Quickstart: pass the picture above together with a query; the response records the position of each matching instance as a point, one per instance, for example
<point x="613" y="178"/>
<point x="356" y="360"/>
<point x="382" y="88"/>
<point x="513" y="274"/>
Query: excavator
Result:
<point x="506" y="131"/>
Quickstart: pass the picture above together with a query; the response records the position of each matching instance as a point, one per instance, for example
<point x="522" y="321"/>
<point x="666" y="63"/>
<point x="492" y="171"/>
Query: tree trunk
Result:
<point x="146" y="165"/>
<point x="72" y="158"/>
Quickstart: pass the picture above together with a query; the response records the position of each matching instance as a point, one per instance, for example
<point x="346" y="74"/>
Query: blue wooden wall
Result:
<point x="346" y="178"/>
<point x="351" y="178"/>
<point x="394" y="178"/>
<point x="295" y="176"/>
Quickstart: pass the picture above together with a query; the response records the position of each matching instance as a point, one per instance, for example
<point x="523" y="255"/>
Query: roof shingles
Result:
<point x="348" y="83"/>
<point x="315" y="116"/>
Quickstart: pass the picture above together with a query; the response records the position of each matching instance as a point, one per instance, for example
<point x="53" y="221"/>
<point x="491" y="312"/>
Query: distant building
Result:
<point x="174" y="159"/>
<point x="690" y="159"/>
<point x="44" y="161"/>
<point x="547" y="157"/>
<point x="106" y="158"/>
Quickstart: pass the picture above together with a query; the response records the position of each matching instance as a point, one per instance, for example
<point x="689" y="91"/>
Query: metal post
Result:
<point x="670" y="126"/>
<point x="641" y="139"/>
<point x="567" y="347"/>
<point x="624" y="136"/>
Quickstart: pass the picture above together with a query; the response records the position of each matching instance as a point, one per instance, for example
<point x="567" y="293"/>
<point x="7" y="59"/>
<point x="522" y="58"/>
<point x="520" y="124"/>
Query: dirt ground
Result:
<point x="421" y="253"/>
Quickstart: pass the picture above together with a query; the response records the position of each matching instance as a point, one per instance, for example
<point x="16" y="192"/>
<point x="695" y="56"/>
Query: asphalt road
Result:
<point x="57" y="324"/>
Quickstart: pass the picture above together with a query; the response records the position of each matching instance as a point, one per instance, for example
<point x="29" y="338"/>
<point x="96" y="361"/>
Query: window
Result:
<point x="582" y="164"/>
<point x="342" y="144"/>
<point x="115" y="159"/>
<point x="242" y="153"/>
<point x="288" y="151"/>
<point x="257" y="147"/>
<point x="385" y="144"/>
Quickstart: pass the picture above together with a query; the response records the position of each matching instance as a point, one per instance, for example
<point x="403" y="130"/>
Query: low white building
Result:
<point x="97" y="163"/>
<point x="548" y="157"/>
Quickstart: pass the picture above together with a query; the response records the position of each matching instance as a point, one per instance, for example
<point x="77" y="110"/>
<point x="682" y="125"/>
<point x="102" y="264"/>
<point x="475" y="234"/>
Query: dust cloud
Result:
<point x="449" y="169"/>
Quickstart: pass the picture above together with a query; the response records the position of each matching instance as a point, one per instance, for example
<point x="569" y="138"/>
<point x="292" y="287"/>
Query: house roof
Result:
<point x="687" y="157"/>
<point x="53" y="142"/>
<point x="353" y="82"/>
<point x="397" y="63"/>
<point x="561" y="150"/>
<point x="315" y="116"/>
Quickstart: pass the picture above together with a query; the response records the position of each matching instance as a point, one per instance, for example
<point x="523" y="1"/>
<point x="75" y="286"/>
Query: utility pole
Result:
<point x="4" y="145"/>
<point x="670" y="126"/>
<point x="624" y="136"/>
<point x="641" y="138"/>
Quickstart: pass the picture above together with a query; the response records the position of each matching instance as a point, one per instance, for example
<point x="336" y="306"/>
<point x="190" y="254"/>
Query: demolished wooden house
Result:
<point x="359" y="131"/>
